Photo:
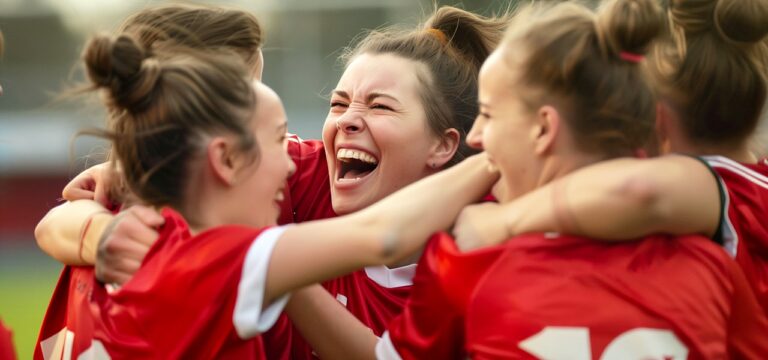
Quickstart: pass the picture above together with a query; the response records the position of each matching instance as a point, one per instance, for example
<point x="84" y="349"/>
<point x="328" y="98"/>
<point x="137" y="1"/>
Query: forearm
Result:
<point x="622" y="199"/>
<point x="331" y="330"/>
<point x="410" y="215"/>
<point x="387" y="231"/>
<point x="70" y="232"/>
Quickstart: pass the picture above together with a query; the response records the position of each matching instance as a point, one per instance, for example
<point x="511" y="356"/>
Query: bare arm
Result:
<point x="618" y="200"/>
<point x="333" y="332"/>
<point x="63" y="234"/>
<point x="71" y="233"/>
<point x="391" y="229"/>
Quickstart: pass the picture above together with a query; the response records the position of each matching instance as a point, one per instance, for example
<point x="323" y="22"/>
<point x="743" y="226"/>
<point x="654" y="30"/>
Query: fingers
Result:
<point x="120" y="271"/>
<point x="74" y="193"/>
<point x="124" y="246"/>
<point x="148" y="216"/>
<point x="79" y="188"/>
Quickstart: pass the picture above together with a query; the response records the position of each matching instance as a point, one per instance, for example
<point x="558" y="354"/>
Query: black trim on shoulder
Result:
<point x="718" y="237"/>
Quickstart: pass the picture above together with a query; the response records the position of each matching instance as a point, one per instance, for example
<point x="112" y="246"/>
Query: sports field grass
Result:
<point x="27" y="278"/>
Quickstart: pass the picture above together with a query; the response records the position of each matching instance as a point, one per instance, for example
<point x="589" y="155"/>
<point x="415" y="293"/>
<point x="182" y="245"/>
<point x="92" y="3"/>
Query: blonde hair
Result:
<point x="590" y="65"/>
<point x="713" y="67"/>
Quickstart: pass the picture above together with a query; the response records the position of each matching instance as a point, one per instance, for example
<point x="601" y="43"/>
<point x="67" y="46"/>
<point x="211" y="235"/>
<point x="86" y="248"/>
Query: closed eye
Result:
<point x="381" y="107"/>
<point x="338" y="104"/>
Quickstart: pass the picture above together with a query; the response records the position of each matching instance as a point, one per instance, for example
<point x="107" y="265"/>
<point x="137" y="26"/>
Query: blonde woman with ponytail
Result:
<point x="565" y="90"/>
<point x="711" y="73"/>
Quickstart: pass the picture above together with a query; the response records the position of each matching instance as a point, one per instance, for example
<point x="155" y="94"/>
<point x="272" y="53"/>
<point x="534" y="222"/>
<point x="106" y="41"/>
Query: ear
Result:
<point x="444" y="148"/>
<point x="223" y="160"/>
<point x="546" y="130"/>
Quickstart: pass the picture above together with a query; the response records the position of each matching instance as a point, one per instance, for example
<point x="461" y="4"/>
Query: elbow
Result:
<point x="642" y="196"/>
<point x="43" y="235"/>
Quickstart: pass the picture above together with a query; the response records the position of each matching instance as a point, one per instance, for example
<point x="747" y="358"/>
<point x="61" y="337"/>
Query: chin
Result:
<point x="344" y="206"/>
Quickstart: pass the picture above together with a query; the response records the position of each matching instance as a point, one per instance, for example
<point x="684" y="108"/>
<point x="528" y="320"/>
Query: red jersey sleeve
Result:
<point x="194" y="296"/>
<point x="308" y="190"/>
<point x="432" y="322"/>
<point x="743" y="228"/>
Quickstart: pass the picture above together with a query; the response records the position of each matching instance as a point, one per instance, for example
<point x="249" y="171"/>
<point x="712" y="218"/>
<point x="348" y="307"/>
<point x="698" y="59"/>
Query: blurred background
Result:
<point x="38" y="152"/>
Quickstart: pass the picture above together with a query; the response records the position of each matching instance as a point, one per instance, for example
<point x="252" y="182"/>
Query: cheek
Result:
<point x="398" y="136"/>
<point x="329" y="130"/>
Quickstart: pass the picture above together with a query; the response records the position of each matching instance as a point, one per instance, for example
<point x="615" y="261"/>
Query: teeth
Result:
<point x="280" y="196"/>
<point x="346" y="154"/>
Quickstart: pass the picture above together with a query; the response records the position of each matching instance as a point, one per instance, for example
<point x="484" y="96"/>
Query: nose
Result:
<point x="475" y="136"/>
<point x="350" y="123"/>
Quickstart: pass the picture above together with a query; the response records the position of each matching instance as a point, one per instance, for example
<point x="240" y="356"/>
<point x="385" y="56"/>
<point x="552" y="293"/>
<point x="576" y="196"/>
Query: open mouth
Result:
<point x="355" y="164"/>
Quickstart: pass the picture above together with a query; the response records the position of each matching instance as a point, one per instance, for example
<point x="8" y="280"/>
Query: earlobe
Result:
<point x="547" y="129"/>
<point x="444" y="149"/>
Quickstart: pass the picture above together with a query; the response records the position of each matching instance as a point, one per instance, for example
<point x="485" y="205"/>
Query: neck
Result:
<point x="739" y="152"/>
<point x="561" y="165"/>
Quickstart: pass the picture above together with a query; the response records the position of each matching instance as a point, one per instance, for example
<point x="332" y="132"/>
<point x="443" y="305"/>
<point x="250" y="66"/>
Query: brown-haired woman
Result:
<point x="712" y="76"/>
<point x="566" y="88"/>
<point x="196" y="136"/>
<point x="398" y="114"/>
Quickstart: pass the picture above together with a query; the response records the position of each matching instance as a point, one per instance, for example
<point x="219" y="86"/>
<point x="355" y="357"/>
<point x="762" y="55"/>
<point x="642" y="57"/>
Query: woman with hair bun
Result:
<point x="399" y="113"/>
<point x="566" y="87"/>
<point x="712" y="78"/>
<point x="197" y="137"/>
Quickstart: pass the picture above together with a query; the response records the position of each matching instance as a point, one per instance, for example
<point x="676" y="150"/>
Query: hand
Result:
<point x="125" y="243"/>
<point x="479" y="226"/>
<point x="91" y="184"/>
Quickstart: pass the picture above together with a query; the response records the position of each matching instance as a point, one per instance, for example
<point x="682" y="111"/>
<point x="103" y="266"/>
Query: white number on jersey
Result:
<point x="558" y="342"/>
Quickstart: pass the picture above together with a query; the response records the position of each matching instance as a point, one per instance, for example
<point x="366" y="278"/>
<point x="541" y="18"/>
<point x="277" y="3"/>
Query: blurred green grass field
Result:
<point x="27" y="278"/>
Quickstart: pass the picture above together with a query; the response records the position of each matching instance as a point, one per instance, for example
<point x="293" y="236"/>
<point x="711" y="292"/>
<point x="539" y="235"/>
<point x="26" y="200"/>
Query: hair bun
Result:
<point x="124" y="68"/>
<point x="743" y="21"/>
<point x="472" y="35"/>
<point x="628" y="26"/>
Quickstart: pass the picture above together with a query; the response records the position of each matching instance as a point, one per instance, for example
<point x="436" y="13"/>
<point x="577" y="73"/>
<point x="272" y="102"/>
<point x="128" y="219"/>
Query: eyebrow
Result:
<point x="370" y="97"/>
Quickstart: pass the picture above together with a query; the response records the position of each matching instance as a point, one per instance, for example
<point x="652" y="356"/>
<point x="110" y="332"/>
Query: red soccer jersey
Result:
<point x="67" y="330"/>
<point x="308" y="192"/>
<point x="374" y="295"/>
<point x="575" y="298"/>
<point x="193" y="297"/>
<point x="6" y="343"/>
<point x="744" y="227"/>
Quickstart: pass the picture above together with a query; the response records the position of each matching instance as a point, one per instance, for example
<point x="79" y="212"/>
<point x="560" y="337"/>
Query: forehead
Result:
<point x="496" y="75"/>
<point x="269" y="108"/>
<point x="381" y="72"/>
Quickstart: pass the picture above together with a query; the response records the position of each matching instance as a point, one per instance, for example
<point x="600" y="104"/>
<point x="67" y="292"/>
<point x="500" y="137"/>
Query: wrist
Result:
<point x="92" y="231"/>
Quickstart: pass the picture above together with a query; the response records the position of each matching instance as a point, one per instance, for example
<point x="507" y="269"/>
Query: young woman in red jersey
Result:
<point x="399" y="113"/>
<point x="567" y="89"/>
<point x="712" y="75"/>
<point x="195" y="136"/>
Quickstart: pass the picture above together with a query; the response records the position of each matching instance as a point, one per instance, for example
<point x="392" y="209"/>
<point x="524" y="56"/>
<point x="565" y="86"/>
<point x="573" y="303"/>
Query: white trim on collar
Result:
<point x="391" y="278"/>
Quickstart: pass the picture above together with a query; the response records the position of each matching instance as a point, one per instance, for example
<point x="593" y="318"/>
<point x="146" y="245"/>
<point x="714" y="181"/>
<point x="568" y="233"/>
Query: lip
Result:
<point x="345" y="184"/>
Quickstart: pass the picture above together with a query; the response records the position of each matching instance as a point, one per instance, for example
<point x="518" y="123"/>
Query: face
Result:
<point x="376" y="135"/>
<point x="262" y="182"/>
<point x="505" y="128"/>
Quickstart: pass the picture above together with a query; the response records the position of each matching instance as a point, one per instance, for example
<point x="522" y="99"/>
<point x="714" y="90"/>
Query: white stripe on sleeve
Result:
<point x="385" y="349"/>
<point x="249" y="318"/>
